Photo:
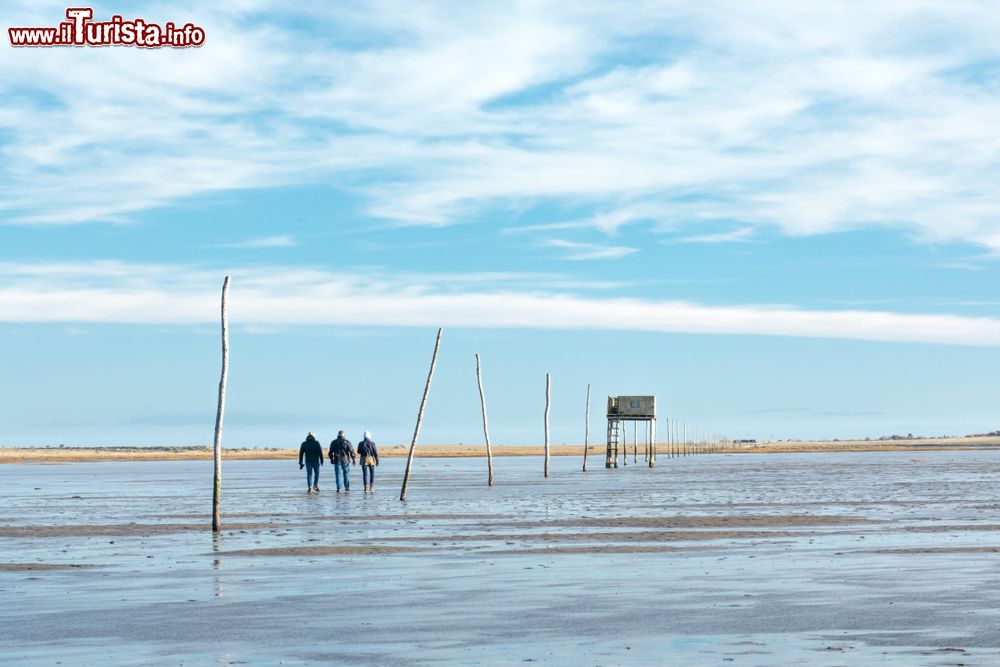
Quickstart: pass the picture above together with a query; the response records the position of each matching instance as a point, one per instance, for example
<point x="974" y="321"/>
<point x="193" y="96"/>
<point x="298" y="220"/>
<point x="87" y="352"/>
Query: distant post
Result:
<point x="486" y="427"/>
<point x="219" y="412"/>
<point x="420" y="416"/>
<point x="586" y="430"/>
<point x="548" y="399"/>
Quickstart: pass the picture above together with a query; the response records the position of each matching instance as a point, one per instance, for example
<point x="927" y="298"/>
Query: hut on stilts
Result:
<point x="637" y="410"/>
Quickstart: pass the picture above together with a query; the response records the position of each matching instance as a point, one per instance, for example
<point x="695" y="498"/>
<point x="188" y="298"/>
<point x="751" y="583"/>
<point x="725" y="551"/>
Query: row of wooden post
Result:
<point x="701" y="447"/>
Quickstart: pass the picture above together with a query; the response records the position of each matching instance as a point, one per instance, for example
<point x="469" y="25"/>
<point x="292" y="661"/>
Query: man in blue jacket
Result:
<point x="312" y="452"/>
<point x="341" y="456"/>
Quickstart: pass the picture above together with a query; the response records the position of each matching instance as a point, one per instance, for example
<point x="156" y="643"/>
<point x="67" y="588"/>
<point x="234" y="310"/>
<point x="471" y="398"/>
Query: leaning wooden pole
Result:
<point x="420" y="416"/>
<point x="486" y="426"/>
<point x="586" y="430"/>
<point x="219" y="412"/>
<point x="548" y="400"/>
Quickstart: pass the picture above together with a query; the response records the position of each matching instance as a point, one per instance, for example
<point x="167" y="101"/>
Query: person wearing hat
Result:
<point x="341" y="456"/>
<point x="312" y="452"/>
<point x="369" y="459"/>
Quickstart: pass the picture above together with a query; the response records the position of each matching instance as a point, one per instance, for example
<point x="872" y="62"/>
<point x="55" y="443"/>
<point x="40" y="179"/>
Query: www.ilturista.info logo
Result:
<point x="80" y="30"/>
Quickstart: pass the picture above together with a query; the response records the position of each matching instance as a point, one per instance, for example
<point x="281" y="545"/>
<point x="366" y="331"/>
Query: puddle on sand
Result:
<point x="748" y="559"/>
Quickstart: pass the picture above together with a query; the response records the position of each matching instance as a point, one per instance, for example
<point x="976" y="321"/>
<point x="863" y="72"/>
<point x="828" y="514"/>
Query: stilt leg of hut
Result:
<point x="652" y="443"/>
<point x="624" y="445"/>
<point x="648" y="452"/>
<point x="635" y="442"/>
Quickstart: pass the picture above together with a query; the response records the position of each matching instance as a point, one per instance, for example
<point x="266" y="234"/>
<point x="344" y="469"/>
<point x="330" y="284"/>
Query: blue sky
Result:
<point x="781" y="218"/>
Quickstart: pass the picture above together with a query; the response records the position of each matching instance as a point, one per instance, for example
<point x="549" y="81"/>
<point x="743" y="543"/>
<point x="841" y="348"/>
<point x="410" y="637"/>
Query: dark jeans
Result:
<point x="312" y="473"/>
<point x="368" y="473"/>
<point x="343" y="469"/>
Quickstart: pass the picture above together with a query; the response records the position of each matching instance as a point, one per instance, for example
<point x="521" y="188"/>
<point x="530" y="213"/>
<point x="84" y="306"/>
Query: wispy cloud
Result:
<point x="274" y="296"/>
<point x="585" y="251"/>
<point x="264" y="242"/>
<point x="736" y="236"/>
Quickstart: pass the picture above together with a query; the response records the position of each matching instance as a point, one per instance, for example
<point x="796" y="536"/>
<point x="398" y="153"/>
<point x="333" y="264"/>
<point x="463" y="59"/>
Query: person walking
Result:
<point x="341" y="456"/>
<point x="312" y="452"/>
<point x="369" y="459"/>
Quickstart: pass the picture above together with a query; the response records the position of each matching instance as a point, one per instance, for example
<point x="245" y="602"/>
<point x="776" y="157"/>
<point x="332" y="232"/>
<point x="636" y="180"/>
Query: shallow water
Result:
<point x="739" y="559"/>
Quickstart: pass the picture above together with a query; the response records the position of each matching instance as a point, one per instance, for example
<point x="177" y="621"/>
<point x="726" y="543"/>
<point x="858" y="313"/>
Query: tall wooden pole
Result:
<point x="486" y="427"/>
<point x="420" y="416"/>
<point x="219" y="412"/>
<point x="586" y="430"/>
<point x="548" y="399"/>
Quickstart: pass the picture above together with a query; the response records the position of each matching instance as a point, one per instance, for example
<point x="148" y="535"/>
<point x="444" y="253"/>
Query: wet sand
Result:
<point x="819" y="558"/>
<point x="39" y="567"/>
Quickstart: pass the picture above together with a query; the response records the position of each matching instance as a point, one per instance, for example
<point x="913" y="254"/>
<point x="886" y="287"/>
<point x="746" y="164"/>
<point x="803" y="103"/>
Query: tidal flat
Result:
<point x="729" y="559"/>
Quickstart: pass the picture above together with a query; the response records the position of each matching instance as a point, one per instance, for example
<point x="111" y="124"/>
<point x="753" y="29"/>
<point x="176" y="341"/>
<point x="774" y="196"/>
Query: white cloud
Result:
<point x="584" y="251"/>
<point x="269" y="297"/>
<point x="735" y="236"/>
<point x="806" y="117"/>
<point x="263" y="242"/>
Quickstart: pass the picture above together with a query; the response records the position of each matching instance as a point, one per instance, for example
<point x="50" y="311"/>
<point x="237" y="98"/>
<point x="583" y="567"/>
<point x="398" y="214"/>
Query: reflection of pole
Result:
<point x="219" y="413"/>
<point x="586" y="430"/>
<point x="486" y="427"/>
<point x="217" y="563"/>
<point x="420" y="417"/>
<point x="548" y="398"/>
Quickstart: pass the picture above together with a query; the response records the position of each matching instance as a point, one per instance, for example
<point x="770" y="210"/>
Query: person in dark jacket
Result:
<point x="312" y="452"/>
<point x="369" y="459"/>
<point x="342" y="456"/>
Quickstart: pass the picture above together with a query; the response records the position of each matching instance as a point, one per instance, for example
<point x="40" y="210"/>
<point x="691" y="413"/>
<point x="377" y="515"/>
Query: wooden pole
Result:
<point x="219" y="413"/>
<point x="420" y="416"/>
<point x="635" y="442"/>
<point x="486" y="427"/>
<point x="670" y="446"/>
<point x="586" y="430"/>
<point x="548" y="397"/>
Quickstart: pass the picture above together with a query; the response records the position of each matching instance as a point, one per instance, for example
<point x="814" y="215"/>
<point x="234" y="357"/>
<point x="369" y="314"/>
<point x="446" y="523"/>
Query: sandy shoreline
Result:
<point x="83" y="454"/>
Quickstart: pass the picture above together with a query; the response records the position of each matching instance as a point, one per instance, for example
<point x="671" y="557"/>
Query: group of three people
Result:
<point x="341" y="455"/>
